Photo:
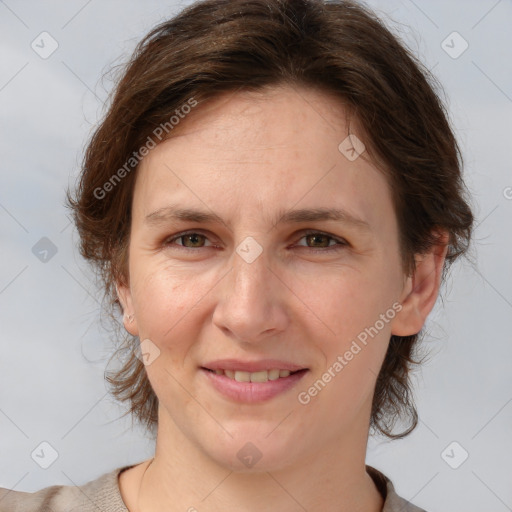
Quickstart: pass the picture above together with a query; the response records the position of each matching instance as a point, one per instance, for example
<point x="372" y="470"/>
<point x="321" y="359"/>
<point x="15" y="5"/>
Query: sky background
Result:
<point x="53" y="350"/>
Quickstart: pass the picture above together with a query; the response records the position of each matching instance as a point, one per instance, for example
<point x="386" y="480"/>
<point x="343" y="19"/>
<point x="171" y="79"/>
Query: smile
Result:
<point x="252" y="387"/>
<point x="261" y="376"/>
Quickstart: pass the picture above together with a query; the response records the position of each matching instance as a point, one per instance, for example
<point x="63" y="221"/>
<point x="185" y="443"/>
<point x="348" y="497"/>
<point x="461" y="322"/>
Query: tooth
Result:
<point x="259" y="376"/>
<point x="273" y="374"/>
<point x="242" y="376"/>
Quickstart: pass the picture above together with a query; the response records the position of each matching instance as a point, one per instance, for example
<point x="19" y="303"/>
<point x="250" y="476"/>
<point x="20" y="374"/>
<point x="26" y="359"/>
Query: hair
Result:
<point x="339" y="47"/>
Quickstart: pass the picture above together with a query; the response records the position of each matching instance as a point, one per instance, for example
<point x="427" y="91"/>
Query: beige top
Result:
<point x="103" y="495"/>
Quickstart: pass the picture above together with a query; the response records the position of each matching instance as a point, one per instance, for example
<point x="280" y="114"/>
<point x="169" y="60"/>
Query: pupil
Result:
<point x="315" y="237"/>
<point x="192" y="238"/>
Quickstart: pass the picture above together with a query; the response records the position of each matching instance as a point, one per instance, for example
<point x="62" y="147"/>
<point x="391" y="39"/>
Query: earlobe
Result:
<point x="421" y="290"/>
<point x="125" y="298"/>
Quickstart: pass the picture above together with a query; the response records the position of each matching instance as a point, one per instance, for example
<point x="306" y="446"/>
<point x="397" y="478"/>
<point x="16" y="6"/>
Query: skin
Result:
<point x="246" y="156"/>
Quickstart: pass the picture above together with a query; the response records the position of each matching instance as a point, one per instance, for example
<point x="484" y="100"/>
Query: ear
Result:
<point x="421" y="290"/>
<point x="125" y="298"/>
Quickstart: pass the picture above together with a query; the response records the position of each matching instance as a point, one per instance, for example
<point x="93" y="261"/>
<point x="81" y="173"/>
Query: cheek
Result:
<point x="166" y="299"/>
<point x="352" y="302"/>
<point x="358" y="310"/>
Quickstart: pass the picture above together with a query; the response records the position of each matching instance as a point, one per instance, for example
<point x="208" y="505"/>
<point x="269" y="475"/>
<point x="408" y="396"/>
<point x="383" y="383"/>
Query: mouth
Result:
<point x="251" y="387"/>
<point x="259" y="376"/>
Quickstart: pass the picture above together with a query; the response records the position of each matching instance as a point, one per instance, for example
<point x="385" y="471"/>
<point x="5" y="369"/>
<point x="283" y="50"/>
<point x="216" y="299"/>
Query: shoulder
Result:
<point x="103" y="494"/>
<point x="99" y="494"/>
<point x="392" y="502"/>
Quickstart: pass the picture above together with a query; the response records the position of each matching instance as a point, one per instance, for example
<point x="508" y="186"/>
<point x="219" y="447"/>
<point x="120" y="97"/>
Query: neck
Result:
<point x="185" y="478"/>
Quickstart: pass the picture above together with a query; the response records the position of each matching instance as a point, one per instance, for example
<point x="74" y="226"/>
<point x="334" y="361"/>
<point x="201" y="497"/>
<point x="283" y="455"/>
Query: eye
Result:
<point x="322" y="240"/>
<point x="190" y="240"/>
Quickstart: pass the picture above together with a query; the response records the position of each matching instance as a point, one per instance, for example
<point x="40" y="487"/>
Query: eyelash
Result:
<point x="341" y="244"/>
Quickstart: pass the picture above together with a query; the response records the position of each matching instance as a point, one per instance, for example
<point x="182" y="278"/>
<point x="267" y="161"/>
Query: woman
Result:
<point x="272" y="200"/>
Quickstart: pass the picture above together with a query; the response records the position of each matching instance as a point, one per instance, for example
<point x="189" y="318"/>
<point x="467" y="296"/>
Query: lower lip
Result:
<point x="251" y="392"/>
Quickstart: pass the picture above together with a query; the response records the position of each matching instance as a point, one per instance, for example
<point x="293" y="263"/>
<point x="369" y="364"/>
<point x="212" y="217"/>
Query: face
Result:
<point x="247" y="284"/>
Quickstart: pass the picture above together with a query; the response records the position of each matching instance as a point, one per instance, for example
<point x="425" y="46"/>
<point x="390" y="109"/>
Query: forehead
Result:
<point x="254" y="154"/>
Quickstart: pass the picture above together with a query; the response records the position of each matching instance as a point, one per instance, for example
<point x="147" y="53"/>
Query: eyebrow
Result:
<point x="175" y="212"/>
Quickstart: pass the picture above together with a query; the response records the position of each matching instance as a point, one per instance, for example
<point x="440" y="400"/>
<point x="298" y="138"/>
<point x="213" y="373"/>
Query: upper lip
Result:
<point x="252" y="366"/>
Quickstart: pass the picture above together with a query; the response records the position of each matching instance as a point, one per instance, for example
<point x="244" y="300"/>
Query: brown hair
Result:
<point x="339" y="47"/>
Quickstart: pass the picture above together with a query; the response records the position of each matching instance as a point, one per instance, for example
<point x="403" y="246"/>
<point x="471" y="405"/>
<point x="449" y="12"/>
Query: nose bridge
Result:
<point x="250" y="274"/>
<point x="250" y="301"/>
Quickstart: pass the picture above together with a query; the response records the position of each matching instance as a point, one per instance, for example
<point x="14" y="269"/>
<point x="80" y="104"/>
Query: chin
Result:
<point x="254" y="453"/>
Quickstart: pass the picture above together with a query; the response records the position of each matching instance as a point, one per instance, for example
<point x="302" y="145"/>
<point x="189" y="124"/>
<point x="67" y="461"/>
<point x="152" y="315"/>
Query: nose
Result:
<point x="251" y="305"/>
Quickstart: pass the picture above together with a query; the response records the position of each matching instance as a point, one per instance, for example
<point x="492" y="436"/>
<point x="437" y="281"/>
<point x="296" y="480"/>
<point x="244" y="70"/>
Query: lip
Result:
<point x="252" y="392"/>
<point x="252" y="366"/>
